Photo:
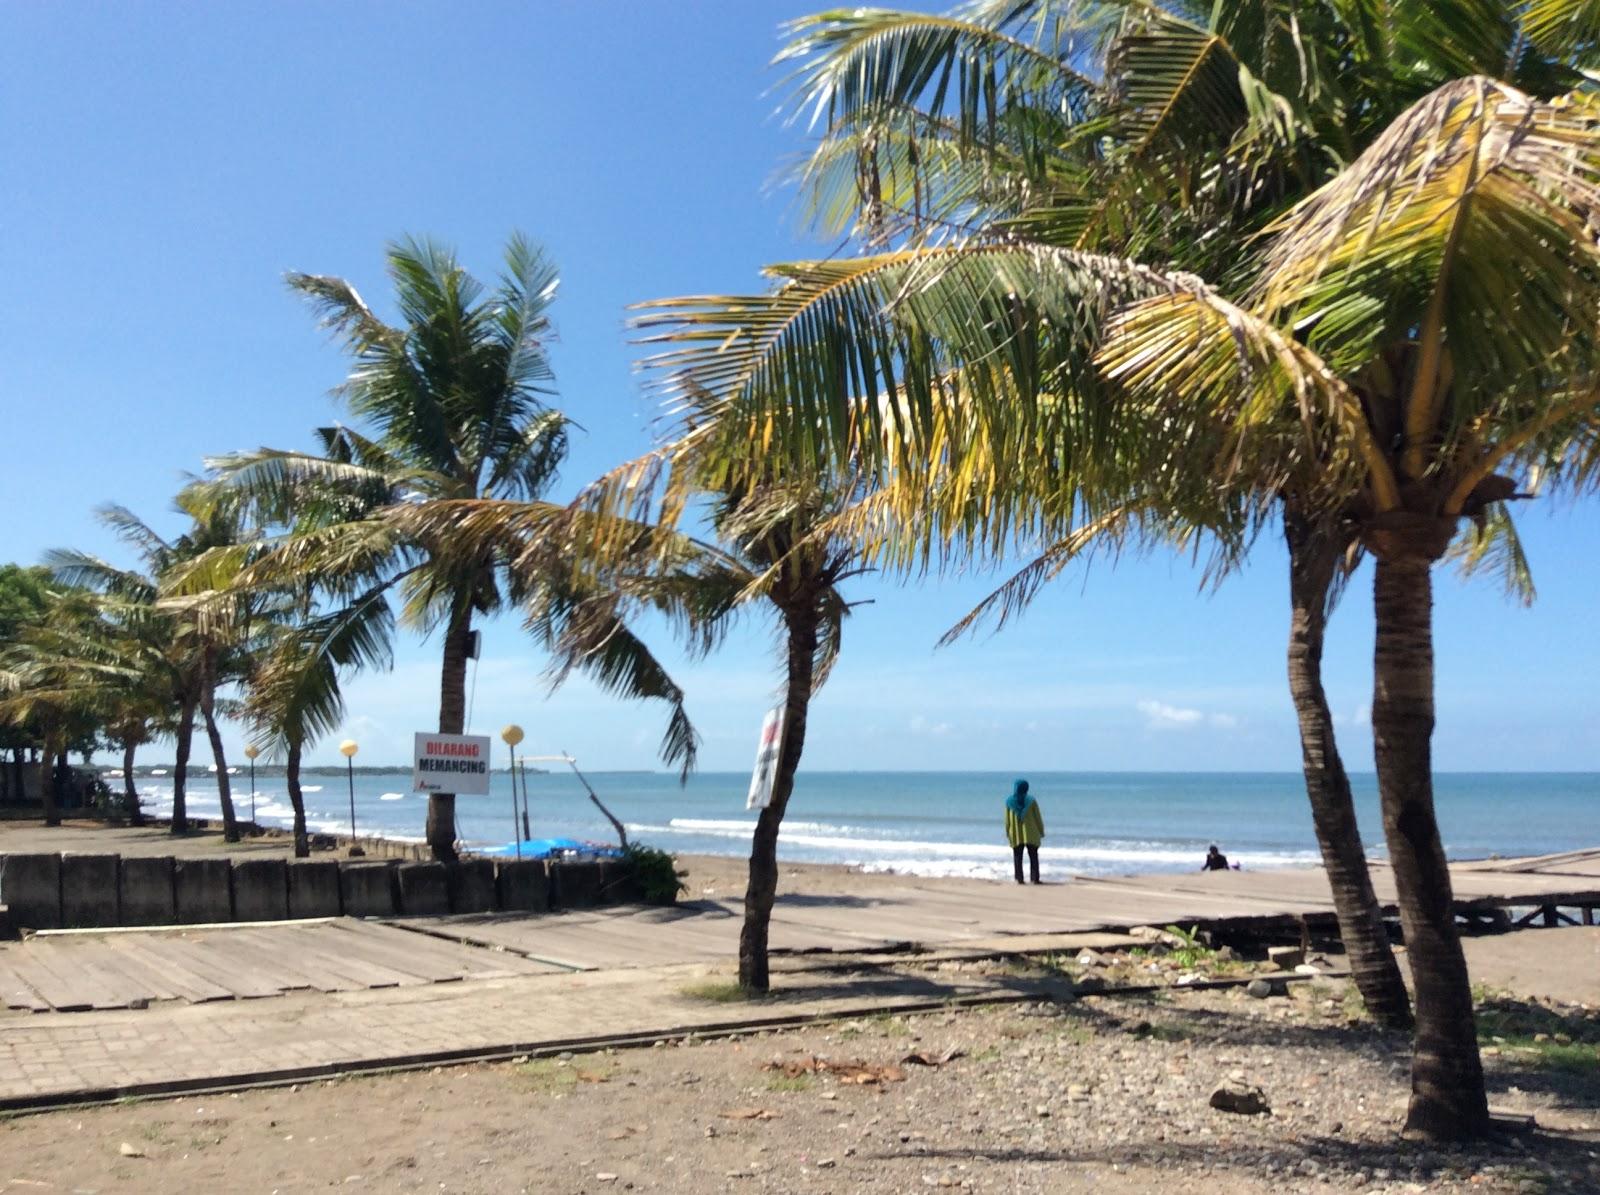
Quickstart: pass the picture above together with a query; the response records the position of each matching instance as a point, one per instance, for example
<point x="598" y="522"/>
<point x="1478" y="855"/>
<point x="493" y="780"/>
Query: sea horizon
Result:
<point x="938" y="823"/>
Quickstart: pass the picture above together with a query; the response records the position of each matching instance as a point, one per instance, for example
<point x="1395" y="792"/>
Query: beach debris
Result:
<point x="1243" y="1099"/>
<point x="918" y="1058"/>
<point x="605" y="1176"/>
<point x="128" y="1150"/>
<point x="1307" y="969"/>
<point x="1088" y="958"/>
<point x="749" y="1114"/>
<point x="859" y="1073"/>
<point x="1260" y="988"/>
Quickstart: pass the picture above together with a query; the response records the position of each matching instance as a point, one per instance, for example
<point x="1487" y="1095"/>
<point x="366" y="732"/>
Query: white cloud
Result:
<point x="1224" y="721"/>
<point x="1161" y="716"/>
<point x="921" y="725"/>
<point x="1360" y="720"/>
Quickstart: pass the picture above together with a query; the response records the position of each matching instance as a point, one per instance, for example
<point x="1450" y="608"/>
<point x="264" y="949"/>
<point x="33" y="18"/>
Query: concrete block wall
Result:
<point x="89" y="895"/>
<point x="149" y="890"/>
<point x="49" y="891"/>
<point x="30" y="888"/>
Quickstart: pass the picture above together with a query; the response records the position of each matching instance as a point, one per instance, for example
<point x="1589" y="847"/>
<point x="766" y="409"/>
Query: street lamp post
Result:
<point x="250" y="753"/>
<point x="512" y="735"/>
<point x="348" y="749"/>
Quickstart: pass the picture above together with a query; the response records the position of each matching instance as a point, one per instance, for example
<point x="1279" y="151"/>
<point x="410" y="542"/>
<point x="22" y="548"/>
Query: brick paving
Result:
<point x="51" y="1059"/>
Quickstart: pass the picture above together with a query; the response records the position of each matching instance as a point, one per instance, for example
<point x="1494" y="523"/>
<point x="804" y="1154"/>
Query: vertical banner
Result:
<point x="766" y="761"/>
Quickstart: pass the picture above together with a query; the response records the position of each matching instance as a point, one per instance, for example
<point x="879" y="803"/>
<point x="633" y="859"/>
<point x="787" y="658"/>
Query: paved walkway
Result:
<point x="502" y="985"/>
<point x="54" y="1059"/>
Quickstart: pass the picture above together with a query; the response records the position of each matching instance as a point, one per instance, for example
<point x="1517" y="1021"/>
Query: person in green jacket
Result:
<point x="1024" y="828"/>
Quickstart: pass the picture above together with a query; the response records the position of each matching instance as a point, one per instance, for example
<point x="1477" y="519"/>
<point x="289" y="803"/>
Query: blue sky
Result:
<point x="166" y="163"/>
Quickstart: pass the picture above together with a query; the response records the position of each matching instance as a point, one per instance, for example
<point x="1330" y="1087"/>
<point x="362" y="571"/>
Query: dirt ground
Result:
<point x="1109" y="1094"/>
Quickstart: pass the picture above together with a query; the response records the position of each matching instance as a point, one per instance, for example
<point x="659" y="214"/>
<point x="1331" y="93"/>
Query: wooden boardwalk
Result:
<point x="76" y="972"/>
<point x="79" y="971"/>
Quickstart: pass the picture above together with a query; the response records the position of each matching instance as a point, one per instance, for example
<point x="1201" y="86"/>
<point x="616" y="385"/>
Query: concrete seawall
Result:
<point x="69" y="890"/>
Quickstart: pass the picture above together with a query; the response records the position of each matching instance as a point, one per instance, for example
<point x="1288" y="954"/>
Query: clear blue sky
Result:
<point x="165" y="164"/>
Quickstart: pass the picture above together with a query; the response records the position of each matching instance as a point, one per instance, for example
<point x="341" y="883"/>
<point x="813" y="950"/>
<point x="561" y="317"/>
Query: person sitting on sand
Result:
<point x="1215" y="860"/>
<point x="1024" y="828"/>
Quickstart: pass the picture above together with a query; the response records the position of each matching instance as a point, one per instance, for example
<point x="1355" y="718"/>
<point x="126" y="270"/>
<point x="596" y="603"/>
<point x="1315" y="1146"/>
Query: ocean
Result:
<point x="948" y="823"/>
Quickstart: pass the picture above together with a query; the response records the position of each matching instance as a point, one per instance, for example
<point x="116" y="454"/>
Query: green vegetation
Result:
<point x="657" y="873"/>
<point x="547" y="1074"/>
<point x="717" y="991"/>
<point x="1119" y="275"/>
<point x="789" y="1083"/>
<point x="1537" y="1036"/>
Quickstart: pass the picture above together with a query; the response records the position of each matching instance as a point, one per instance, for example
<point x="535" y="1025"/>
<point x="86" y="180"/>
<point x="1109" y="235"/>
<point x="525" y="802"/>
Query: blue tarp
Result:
<point x="549" y="848"/>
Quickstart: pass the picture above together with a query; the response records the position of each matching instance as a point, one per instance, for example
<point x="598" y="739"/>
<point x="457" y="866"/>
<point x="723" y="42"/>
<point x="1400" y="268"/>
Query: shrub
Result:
<point x="657" y="874"/>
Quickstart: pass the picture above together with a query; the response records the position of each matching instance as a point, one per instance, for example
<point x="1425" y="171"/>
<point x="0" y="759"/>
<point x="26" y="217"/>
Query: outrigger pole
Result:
<point x="622" y="834"/>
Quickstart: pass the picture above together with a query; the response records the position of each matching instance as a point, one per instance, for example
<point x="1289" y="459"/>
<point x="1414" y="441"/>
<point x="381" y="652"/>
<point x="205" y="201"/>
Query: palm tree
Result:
<point x="981" y="342"/>
<point x="294" y="696"/>
<point x="24" y="597"/>
<point x="204" y="644"/>
<point x="584" y="573"/>
<point x="1470" y="212"/>
<point x="1165" y="134"/>
<point x="456" y="398"/>
<point x="84" y="664"/>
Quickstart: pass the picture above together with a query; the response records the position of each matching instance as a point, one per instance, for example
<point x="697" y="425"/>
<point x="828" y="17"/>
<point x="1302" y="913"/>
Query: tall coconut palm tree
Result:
<point x="455" y="396"/>
<point x="205" y="644"/>
<point x="981" y="341"/>
<point x="24" y="598"/>
<point x="584" y="573"/>
<point x="1472" y="211"/>
<point x="1163" y="134"/>
<point x="294" y="697"/>
<point x="1168" y="134"/>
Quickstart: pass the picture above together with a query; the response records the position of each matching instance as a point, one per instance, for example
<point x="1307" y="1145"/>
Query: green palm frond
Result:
<point x="1491" y="544"/>
<point x="854" y="64"/>
<point x="1565" y="28"/>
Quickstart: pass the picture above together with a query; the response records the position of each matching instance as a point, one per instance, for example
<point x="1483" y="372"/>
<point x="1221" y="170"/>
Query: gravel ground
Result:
<point x="1109" y="1094"/>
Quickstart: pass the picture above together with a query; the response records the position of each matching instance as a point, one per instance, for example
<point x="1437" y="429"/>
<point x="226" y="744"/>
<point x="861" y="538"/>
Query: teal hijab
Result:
<point x="1017" y="802"/>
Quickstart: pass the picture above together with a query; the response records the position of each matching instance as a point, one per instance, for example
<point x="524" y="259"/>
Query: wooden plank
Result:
<point x="181" y="981"/>
<point x="95" y="963"/>
<point x="194" y="954"/>
<point x="66" y="990"/>
<point x="453" y="959"/>
<point x="421" y="955"/>
<point x="17" y="993"/>
<point x="342" y="956"/>
<point x="301" y="967"/>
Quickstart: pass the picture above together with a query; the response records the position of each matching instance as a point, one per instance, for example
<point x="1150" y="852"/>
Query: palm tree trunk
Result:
<point x="58" y="777"/>
<point x="452" y="718"/>
<point x="47" y="781"/>
<point x="291" y="775"/>
<point x="208" y="709"/>
<point x="800" y="624"/>
<point x="180" y="770"/>
<point x="1314" y="553"/>
<point x="130" y="794"/>
<point x="1448" y="1102"/>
